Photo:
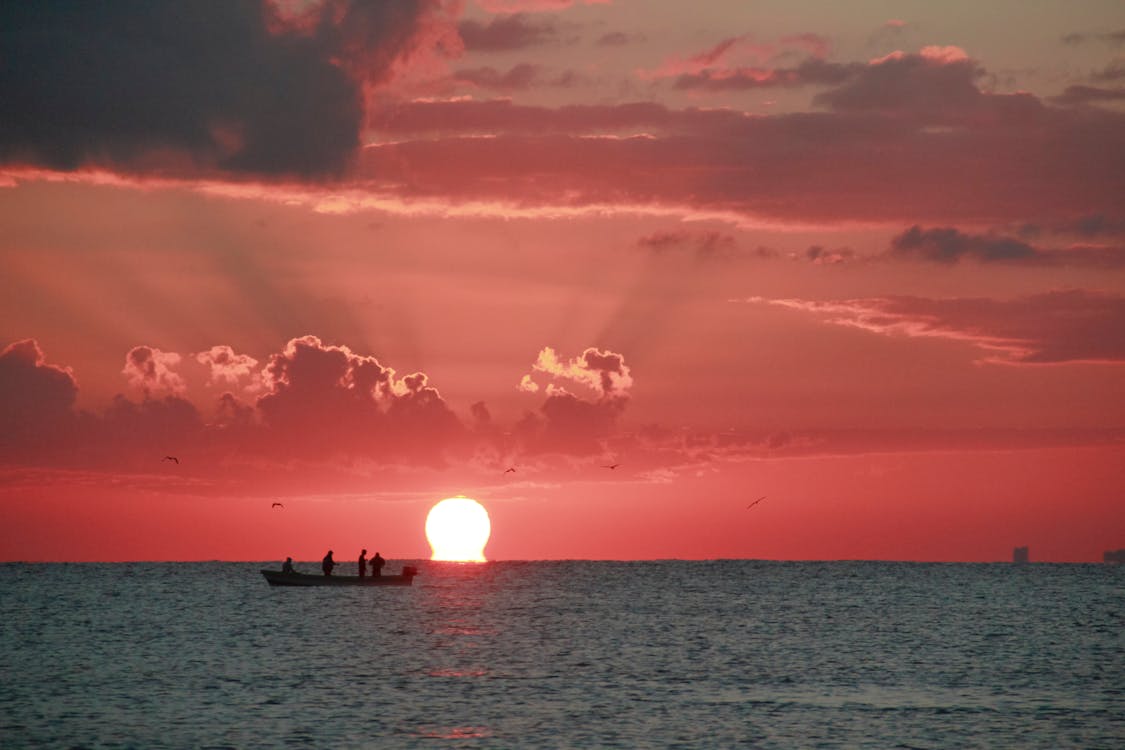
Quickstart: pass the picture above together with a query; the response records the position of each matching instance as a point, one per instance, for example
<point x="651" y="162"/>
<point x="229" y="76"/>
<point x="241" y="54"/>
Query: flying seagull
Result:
<point x="614" y="466"/>
<point x="277" y="505"/>
<point x="751" y="505"/>
<point x="169" y="458"/>
<point x="509" y="470"/>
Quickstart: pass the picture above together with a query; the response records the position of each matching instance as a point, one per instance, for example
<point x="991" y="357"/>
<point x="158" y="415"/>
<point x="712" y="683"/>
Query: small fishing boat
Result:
<point x="278" y="578"/>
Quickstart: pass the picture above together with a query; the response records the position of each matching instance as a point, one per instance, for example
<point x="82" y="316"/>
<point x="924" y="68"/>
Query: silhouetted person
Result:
<point x="287" y="566"/>
<point x="362" y="563"/>
<point x="327" y="564"/>
<point x="377" y="564"/>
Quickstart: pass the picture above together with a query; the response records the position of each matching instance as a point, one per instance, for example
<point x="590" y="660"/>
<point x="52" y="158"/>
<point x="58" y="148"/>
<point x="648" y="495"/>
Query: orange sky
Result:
<point x="872" y="268"/>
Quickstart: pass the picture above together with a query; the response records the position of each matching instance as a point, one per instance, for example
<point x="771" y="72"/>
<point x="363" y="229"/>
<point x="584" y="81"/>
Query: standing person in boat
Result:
<point x="327" y="564"/>
<point x="287" y="566"/>
<point x="362" y="565"/>
<point x="377" y="564"/>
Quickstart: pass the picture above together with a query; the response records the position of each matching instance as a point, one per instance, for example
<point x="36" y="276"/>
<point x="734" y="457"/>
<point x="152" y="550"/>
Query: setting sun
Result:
<point x="458" y="528"/>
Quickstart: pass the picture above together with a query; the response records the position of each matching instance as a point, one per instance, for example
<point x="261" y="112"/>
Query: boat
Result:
<point x="279" y="578"/>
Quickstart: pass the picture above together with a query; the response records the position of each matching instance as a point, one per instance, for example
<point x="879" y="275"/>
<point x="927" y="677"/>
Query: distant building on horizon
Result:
<point x="1019" y="555"/>
<point x="1114" y="556"/>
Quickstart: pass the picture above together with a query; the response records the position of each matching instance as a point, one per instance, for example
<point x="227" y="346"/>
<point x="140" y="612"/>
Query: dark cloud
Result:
<point x="617" y="39"/>
<point x="949" y="246"/>
<point x="327" y="399"/>
<point x="822" y="256"/>
<point x="703" y="245"/>
<point x="1093" y="225"/>
<point x="218" y="84"/>
<point x="1114" y="71"/>
<point x="939" y="84"/>
<point x="1107" y="37"/>
<point x="507" y="32"/>
<point x="518" y="78"/>
<point x="139" y="432"/>
<point x="36" y="399"/>
<point x="1078" y="95"/>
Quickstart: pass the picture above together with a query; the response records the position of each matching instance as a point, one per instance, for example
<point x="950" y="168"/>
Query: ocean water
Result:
<point x="566" y="655"/>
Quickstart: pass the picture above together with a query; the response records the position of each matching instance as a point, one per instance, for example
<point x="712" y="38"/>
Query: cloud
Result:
<point x="36" y="398"/>
<point x="813" y="71"/>
<point x="617" y="39"/>
<point x="533" y="6"/>
<point x="506" y="33"/>
<point x="1060" y="327"/>
<point x="570" y="424"/>
<point x="1079" y="95"/>
<point x="1114" y="71"/>
<point x="603" y="372"/>
<point x="151" y="370"/>
<point x="949" y="246"/>
<point x="741" y="62"/>
<point x="703" y="245"/>
<point x="237" y="87"/>
<point x="1092" y="225"/>
<point x="327" y="399"/>
<point x="518" y="78"/>
<point x="938" y="83"/>
<point x="893" y="152"/>
<point x="1113" y="38"/>
<point x="822" y="256"/>
<point x="226" y="367"/>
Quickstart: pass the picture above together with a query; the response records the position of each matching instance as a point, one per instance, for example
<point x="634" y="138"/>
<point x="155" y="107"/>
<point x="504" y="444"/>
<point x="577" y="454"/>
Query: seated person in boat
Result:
<point x="327" y="564"/>
<point x="287" y="566"/>
<point x="377" y="564"/>
<point x="362" y="565"/>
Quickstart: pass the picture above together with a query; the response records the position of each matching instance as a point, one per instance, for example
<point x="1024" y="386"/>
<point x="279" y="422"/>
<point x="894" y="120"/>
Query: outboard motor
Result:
<point x="409" y="571"/>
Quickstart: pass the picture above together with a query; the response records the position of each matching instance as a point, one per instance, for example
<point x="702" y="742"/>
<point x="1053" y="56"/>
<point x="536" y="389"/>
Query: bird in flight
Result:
<point x="509" y="470"/>
<point x="612" y="466"/>
<point x="277" y="505"/>
<point x="170" y="458"/>
<point x="751" y="505"/>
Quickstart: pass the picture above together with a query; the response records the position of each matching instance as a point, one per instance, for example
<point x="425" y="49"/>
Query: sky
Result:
<point x="865" y="260"/>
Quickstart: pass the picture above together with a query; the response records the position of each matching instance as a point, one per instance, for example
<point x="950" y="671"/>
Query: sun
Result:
<point x="458" y="528"/>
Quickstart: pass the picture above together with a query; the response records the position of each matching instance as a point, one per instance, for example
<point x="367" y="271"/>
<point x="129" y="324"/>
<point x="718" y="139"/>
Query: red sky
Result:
<point x="356" y="258"/>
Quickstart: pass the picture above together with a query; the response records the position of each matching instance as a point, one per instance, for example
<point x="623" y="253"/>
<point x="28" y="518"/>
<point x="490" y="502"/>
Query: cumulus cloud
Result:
<point x="603" y="372"/>
<point x="151" y="370"/>
<point x="335" y="400"/>
<point x="569" y="423"/>
<point x="36" y="398"/>
<point x="939" y="83"/>
<point x="1060" y="327"/>
<point x="234" y="86"/>
<point x="227" y="367"/>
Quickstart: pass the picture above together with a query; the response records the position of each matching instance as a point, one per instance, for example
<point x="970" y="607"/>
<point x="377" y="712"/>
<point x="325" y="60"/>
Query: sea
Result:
<point x="667" y="654"/>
